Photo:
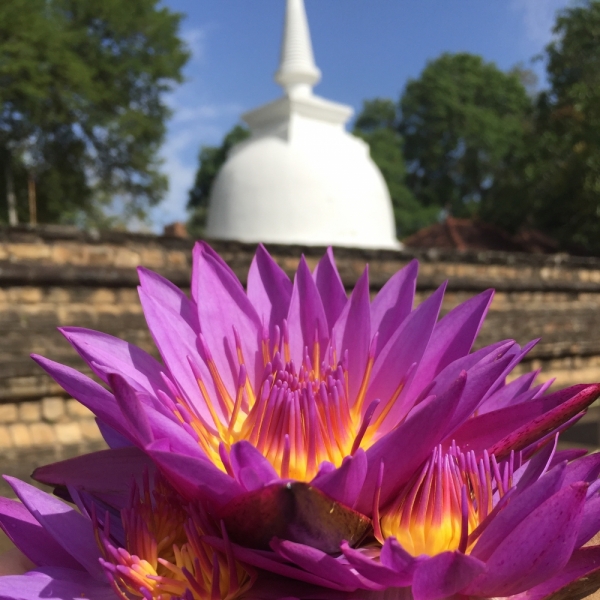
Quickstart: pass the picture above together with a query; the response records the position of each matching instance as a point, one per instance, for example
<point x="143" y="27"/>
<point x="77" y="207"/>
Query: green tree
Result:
<point x="464" y="124"/>
<point x="564" y="173"/>
<point x="377" y="124"/>
<point x="81" y="103"/>
<point x="211" y="159"/>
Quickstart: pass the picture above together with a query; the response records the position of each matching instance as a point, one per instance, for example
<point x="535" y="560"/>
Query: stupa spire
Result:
<point x="297" y="71"/>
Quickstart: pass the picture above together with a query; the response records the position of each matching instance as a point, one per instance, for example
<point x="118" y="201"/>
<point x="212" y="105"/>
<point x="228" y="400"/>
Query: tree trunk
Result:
<point x="11" y="198"/>
<point x="31" y="195"/>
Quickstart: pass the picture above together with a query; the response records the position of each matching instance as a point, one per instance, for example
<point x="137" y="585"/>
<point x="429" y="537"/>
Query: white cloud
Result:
<point x="195" y="38"/>
<point x="538" y="17"/>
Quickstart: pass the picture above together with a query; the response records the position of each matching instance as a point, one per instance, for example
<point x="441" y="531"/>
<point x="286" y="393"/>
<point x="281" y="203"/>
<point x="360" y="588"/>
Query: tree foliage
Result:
<point x="211" y="159"/>
<point x="464" y="123"/>
<point x="377" y="124"/>
<point x="81" y="102"/>
<point x="564" y="168"/>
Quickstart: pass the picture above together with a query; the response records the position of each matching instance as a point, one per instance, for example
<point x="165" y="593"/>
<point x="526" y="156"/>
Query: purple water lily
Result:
<point x="297" y="382"/>
<point x="151" y="548"/>
<point x="464" y="528"/>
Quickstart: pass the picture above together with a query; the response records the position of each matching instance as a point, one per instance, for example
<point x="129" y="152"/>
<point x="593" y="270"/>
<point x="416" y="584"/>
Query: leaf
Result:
<point x="296" y="512"/>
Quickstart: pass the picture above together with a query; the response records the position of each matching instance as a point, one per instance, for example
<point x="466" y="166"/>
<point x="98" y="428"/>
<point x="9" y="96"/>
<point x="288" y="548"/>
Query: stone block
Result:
<point x="68" y="433"/>
<point x="29" y="251"/>
<point x="103" y="296"/>
<point x="89" y="430"/>
<point x="5" y="437"/>
<point x="152" y="258"/>
<point x="29" y="295"/>
<point x="42" y="434"/>
<point x="29" y="411"/>
<point x="8" y="413"/>
<point x="126" y="258"/>
<point x="53" y="408"/>
<point x="19" y="433"/>
<point x="76" y="409"/>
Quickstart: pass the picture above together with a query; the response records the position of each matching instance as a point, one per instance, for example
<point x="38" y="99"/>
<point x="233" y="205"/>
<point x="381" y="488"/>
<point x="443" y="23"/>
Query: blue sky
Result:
<point x="365" y="49"/>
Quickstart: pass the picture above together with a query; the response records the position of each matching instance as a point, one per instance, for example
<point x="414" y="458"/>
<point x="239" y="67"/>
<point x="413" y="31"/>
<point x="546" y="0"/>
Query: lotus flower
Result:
<point x="152" y="548"/>
<point x="299" y="416"/>
<point x="467" y="528"/>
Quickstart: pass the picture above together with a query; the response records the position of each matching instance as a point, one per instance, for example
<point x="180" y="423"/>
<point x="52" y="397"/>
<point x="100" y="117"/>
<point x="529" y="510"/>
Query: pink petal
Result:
<point x="269" y="291"/>
<point x="306" y="316"/>
<point x="404" y="348"/>
<point x="444" y="575"/>
<point x="345" y="483"/>
<point x="352" y="334"/>
<point x="69" y="528"/>
<point x="223" y="309"/>
<point x="330" y="288"/>
<point x="452" y="338"/>
<point x="394" y="302"/>
<point x="537" y="549"/>
<point x="30" y="537"/>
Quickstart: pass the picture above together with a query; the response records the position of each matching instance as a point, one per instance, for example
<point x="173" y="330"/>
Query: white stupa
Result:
<point x="301" y="178"/>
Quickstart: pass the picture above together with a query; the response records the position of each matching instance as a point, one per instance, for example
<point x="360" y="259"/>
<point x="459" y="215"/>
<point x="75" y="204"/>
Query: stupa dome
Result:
<point x="301" y="178"/>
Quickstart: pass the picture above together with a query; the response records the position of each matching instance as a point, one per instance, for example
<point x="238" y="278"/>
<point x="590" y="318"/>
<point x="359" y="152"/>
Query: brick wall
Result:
<point x="60" y="276"/>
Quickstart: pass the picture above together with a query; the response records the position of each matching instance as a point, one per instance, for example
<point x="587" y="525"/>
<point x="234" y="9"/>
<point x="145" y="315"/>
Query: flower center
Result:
<point x="164" y="557"/>
<point x="446" y="502"/>
<point x="301" y="416"/>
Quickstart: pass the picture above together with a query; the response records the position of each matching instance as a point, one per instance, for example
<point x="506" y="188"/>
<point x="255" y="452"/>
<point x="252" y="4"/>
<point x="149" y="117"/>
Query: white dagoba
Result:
<point x="301" y="178"/>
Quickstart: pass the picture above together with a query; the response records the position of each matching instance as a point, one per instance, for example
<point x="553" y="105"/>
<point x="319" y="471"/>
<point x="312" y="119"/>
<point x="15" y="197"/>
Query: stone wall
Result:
<point x="61" y="276"/>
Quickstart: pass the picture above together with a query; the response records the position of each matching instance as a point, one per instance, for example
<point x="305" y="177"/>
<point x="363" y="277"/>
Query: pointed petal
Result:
<point x="131" y="409"/>
<point x="251" y="469"/>
<point x="224" y="308"/>
<point x="586" y="468"/>
<point x="112" y="438"/>
<point x="538" y="465"/>
<point x="273" y="563"/>
<point x="352" y="334"/>
<point x="306" y="315"/>
<point x="108" y="354"/>
<point x="404" y="348"/>
<point x="444" y="575"/>
<point x="590" y="522"/>
<point x="92" y="395"/>
<point x="489" y="430"/>
<point x="406" y="447"/>
<point x="479" y="381"/>
<point x="546" y="422"/>
<point x="511" y="393"/>
<point x="385" y="574"/>
<point x="466" y="363"/>
<point x="317" y="562"/>
<point x="69" y="528"/>
<point x="570" y="581"/>
<point x="330" y="287"/>
<point x="193" y="477"/>
<point x="394" y="302"/>
<point x="545" y="540"/>
<point x="516" y="511"/>
<point x="30" y="537"/>
<point x="103" y="473"/>
<point x="169" y="295"/>
<point x="177" y="344"/>
<point x="345" y="483"/>
<point x="452" y="338"/>
<point x="269" y="290"/>
<point x="35" y="586"/>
